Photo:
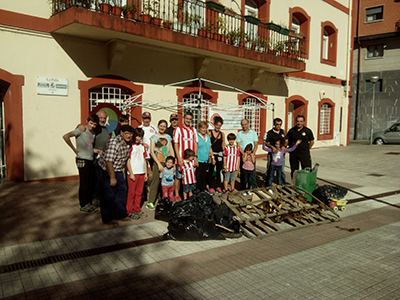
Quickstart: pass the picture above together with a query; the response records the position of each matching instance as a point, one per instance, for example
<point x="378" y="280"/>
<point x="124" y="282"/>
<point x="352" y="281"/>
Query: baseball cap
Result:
<point x="173" y="116"/>
<point x="146" y="114"/>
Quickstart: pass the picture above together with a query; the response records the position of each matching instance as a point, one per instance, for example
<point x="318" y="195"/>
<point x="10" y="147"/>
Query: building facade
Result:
<point x="376" y="27"/>
<point x="64" y="59"/>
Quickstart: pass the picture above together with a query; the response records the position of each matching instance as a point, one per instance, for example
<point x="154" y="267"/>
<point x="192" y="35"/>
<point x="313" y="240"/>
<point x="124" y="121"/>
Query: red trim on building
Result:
<point x="305" y="21"/>
<point x="11" y="87"/>
<point x="332" y="43"/>
<point x="301" y="108"/>
<point x="332" y="119"/>
<point x="263" y="112"/>
<point x="85" y="86"/>
<point x="19" y="20"/>
<point x="315" y="77"/>
<point x="338" y="6"/>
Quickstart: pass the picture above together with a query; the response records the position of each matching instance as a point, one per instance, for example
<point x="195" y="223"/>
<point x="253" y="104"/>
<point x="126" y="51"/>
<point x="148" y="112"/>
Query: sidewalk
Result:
<point x="357" y="258"/>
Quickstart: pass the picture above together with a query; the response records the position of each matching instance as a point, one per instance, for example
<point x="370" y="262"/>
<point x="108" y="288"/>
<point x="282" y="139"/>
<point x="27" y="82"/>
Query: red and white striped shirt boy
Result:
<point x="185" y="138"/>
<point x="188" y="175"/>
<point x="232" y="157"/>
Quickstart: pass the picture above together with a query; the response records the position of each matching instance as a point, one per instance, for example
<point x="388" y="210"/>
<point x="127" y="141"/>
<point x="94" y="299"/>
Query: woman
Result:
<point x="160" y="149"/>
<point x="85" y="161"/>
<point x="204" y="153"/>
<point x="217" y="147"/>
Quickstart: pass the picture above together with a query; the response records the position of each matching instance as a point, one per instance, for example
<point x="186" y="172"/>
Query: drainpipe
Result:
<point x="358" y="72"/>
<point x="346" y="119"/>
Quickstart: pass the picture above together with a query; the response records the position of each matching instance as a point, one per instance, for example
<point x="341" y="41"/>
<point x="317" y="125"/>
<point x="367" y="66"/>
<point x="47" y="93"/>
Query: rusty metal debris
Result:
<point x="265" y="211"/>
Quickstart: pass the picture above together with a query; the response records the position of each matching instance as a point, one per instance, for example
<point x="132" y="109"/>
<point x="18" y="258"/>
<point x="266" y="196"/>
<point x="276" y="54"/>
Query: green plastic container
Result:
<point x="307" y="180"/>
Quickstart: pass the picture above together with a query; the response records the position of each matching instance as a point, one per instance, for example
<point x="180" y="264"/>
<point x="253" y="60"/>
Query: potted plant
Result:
<point x="105" y="7"/>
<point x="167" y="24"/>
<point x="206" y="31"/>
<point x="151" y="12"/>
<point x="215" y="6"/>
<point x="271" y="25"/>
<point x="116" y="8"/>
<point x="292" y="48"/>
<point x="279" y="47"/>
<point x="252" y="19"/>
<point x="129" y="11"/>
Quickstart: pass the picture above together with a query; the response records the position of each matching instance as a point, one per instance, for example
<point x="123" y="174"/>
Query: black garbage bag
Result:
<point x="325" y="192"/>
<point x="200" y="205"/>
<point x="192" y="229"/>
<point x="163" y="210"/>
<point x="224" y="216"/>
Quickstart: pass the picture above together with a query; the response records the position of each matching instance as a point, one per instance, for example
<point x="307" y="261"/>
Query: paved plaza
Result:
<point x="355" y="258"/>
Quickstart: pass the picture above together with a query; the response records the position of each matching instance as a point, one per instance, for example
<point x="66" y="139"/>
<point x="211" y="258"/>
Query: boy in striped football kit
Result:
<point x="188" y="173"/>
<point x="231" y="163"/>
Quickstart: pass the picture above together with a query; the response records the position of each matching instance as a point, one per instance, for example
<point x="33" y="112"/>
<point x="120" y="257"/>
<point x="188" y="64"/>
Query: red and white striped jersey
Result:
<point x="185" y="138"/>
<point x="188" y="176"/>
<point x="232" y="157"/>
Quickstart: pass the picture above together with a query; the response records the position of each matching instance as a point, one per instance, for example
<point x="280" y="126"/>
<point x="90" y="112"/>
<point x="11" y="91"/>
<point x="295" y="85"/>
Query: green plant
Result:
<point x="221" y="27"/>
<point x="279" y="46"/>
<point x="129" y="7"/>
<point x="152" y="8"/>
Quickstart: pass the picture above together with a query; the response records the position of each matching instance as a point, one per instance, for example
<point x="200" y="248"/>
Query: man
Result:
<point x="174" y="124"/>
<point x="245" y="137"/>
<point x="110" y="171"/>
<point x="302" y="152"/>
<point x="148" y="129"/>
<point x="185" y="137"/>
<point x="270" y="137"/>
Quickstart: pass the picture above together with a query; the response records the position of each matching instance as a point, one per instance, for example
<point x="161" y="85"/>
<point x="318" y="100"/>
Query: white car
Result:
<point x="389" y="136"/>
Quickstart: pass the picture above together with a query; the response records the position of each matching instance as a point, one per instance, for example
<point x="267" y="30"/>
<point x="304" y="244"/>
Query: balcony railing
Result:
<point x="207" y="20"/>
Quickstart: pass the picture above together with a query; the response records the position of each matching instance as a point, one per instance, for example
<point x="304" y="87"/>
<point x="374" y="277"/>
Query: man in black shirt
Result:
<point x="174" y="123"/>
<point x="270" y="137"/>
<point x="302" y="152"/>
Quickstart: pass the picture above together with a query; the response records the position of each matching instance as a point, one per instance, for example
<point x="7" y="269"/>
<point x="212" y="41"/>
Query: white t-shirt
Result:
<point x="148" y="133"/>
<point x="137" y="155"/>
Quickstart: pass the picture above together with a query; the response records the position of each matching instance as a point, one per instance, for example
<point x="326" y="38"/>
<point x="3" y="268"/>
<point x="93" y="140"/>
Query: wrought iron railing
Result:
<point x="208" y="20"/>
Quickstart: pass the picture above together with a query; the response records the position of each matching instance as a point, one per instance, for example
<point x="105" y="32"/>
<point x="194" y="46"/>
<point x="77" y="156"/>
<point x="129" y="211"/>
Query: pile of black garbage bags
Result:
<point x="326" y="192"/>
<point x="197" y="218"/>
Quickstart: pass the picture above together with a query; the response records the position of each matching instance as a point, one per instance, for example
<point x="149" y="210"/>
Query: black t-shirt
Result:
<point x="305" y="135"/>
<point x="272" y="136"/>
<point x="170" y="131"/>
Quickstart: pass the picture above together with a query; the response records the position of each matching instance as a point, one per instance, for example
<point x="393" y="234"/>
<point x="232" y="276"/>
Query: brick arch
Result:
<point x="305" y="21"/>
<point x="263" y="112"/>
<point x="11" y="87"/>
<point x="211" y="96"/>
<point x="85" y="86"/>
<point x="301" y="108"/>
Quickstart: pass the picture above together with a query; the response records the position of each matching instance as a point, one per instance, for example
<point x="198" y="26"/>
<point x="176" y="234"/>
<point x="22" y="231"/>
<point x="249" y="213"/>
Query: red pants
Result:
<point x="168" y="192"/>
<point x="135" y="190"/>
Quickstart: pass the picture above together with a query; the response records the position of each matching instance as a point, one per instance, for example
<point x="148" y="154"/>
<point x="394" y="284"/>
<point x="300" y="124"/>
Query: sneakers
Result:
<point x="219" y="190"/>
<point x="244" y="194"/>
<point x="227" y="192"/>
<point x="88" y="209"/>
<point x="142" y="214"/>
<point x="96" y="203"/>
<point x="178" y="198"/>
<point x="112" y="223"/>
<point x="150" y="206"/>
<point x="211" y="191"/>
<point x="234" y="191"/>
<point x="134" y="216"/>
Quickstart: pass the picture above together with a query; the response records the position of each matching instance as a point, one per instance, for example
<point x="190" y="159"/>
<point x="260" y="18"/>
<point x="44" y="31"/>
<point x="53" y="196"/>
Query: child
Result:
<point x="231" y="163"/>
<point x="123" y="120"/>
<point x="277" y="158"/>
<point x="248" y="166"/>
<point x="137" y="168"/>
<point x="188" y="175"/>
<point x="167" y="178"/>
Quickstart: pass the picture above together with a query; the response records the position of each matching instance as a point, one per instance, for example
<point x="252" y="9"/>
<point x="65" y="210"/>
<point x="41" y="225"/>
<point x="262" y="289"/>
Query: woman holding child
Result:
<point x="160" y="149"/>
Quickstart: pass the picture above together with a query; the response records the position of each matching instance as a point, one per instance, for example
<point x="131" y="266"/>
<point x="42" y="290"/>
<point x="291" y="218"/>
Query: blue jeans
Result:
<point x="278" y="170"/>
<point x="112" y="198"/>
<point x="247" y="179"/>
<point x="267" y="179"/>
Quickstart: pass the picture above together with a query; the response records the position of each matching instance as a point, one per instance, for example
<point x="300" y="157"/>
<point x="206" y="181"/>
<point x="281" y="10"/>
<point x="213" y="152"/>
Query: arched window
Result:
<point x="295" y="105"/>
<point x="196" y="104"/>
<point x="300" y="24"/>
<point x="326" y="119"/>
<point x="328" y="43"/>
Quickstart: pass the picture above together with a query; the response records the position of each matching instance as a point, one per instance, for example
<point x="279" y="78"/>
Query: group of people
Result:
<point x="114" y="175"/>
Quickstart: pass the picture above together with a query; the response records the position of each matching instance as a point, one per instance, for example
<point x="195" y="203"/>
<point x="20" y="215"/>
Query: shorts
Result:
<point x="189" y="187"/>
<point x="230" y="176"/>
<point x="178" y="175"/>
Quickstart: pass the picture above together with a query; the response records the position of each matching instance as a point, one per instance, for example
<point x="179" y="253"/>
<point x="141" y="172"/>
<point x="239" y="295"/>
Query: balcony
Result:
<point x="204" y="29"/>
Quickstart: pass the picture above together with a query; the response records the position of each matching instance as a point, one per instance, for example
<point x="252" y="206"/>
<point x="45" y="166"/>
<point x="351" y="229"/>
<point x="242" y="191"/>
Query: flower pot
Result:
<point x="129" y="14"/>
<point x="273" y="26"/>
<point x="217" y="36"/>
<point x="145" y="18"/>
<point x="252" y="19"/>
<point x="167" y="25"/>
<point x="204" y="33"/>
<point x="215" y="6"/>
<point x="105" y="8"/>
<point x="116" y="10"/>
<point x="242" y="43"/>
<point x="284" y="31"/>
<point x="156" y="21"/>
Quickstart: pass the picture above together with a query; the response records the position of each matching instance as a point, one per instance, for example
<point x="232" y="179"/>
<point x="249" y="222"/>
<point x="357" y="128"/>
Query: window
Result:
<point x="374" y="51"/>
<point x="328" y="43"/>
<point x="252" y="113"/>
<point x="108" y="94"/>
<point x="301" y="24"/>
<point x="326" y="119"/>
<point x="369" y="86"/>
<point x="195" y="104"/>
<point x="374" y="14"/>
<point x="251" y="9"/>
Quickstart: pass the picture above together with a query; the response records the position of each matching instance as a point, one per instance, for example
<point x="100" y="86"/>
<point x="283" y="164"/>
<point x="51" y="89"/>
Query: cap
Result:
<point x="173" y="116"/>
<point x="146" y="114"/>
<point x="127" y="128"/>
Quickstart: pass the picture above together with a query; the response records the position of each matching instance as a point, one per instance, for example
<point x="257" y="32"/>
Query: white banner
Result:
<point x="52" y="86"/>
<point x="231" y="117"/>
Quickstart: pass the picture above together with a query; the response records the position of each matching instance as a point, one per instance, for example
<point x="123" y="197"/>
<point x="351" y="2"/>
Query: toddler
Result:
<point x="231" y="163"/>
<point x="249" y="160"/>
<point x="188" y="173"/>
<point x="167" y="179"/>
